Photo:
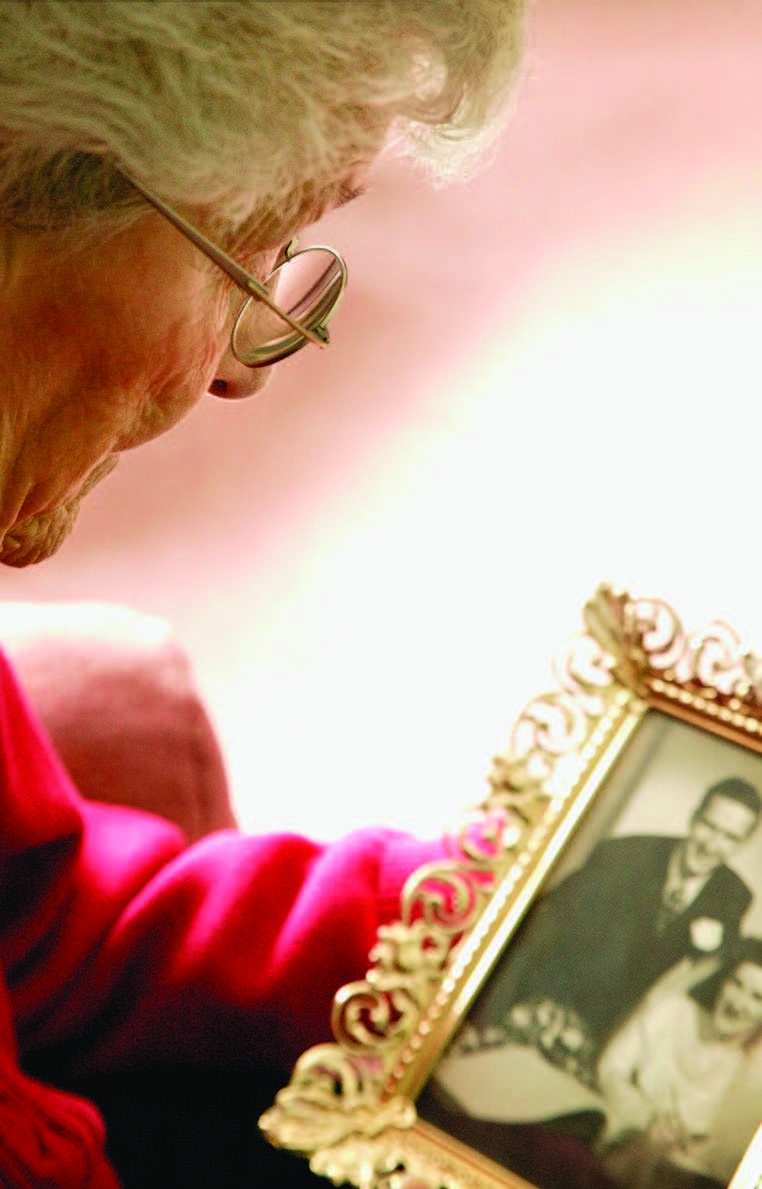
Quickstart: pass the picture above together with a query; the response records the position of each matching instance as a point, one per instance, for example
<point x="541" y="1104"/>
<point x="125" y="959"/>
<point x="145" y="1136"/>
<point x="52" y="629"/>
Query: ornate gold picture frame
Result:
<point x="574" y="995"/>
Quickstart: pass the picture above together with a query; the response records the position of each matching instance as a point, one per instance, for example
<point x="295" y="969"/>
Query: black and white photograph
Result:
<point x="617" y="1044"/>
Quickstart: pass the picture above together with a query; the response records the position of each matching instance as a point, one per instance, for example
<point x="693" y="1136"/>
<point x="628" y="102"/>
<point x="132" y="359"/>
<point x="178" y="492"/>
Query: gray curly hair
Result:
<point x="239" y="109"/>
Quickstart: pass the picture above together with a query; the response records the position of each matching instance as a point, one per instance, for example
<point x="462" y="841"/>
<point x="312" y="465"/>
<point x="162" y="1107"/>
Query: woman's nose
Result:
<point x="235" y="381"/>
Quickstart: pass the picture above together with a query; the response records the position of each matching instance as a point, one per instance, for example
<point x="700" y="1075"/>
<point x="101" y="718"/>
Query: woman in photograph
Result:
<point x="156" y="161"/>
<point x="668" y="1072"/>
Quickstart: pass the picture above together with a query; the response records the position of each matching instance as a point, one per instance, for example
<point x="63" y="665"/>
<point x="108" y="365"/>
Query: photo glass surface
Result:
<point x="618" y="1041"/>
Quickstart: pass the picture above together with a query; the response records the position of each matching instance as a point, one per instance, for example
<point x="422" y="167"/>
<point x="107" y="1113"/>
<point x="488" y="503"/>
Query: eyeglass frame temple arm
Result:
<point x="237" y="274"/>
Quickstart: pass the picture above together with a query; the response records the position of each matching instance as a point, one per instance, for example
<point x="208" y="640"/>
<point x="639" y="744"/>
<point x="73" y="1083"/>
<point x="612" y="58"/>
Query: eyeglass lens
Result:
<point x="309" y="287"/>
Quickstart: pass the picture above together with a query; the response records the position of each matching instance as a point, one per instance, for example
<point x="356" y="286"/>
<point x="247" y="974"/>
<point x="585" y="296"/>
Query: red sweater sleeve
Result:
<point x="118" y="944"/>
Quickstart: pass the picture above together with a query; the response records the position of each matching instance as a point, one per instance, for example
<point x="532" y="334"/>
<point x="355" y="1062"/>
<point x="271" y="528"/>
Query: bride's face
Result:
<point x="738" y="1010"/>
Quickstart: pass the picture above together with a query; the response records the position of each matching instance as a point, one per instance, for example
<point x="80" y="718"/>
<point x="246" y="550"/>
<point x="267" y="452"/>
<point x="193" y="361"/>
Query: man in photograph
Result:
<point x="520" y="1083"/>
<point x="595" y="944"/>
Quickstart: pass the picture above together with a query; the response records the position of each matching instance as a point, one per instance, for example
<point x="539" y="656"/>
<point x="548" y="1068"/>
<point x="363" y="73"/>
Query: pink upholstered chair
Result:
<point x="115" y="691"/>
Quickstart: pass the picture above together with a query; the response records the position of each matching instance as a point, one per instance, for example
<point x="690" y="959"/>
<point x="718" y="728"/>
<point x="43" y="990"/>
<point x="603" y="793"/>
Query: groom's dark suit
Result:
<point x="592" y="943"/>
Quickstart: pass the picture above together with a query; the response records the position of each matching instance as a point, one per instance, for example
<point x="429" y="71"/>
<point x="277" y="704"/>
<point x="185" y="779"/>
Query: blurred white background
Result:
<point x="544" y="378"/>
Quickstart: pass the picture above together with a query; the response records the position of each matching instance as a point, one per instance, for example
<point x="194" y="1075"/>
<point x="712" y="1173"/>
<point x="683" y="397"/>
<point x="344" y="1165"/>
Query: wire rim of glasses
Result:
<point x="314" y="309"/>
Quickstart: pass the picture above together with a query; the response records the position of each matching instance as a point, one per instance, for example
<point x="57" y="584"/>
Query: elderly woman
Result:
<point x="156" y="162"/>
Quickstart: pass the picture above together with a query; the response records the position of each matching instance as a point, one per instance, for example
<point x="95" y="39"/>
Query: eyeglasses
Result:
<point x="310" y="285"/>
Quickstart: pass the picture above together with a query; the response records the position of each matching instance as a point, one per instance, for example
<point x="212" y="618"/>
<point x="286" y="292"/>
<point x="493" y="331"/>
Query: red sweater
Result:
<point x="119" y="945"/>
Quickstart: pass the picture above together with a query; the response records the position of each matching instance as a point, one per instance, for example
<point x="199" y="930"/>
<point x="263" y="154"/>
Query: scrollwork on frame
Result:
<point x="332" y="1088"/>
<point x="550" y="727"/>
<point x="332" y="1112"/>
<point x="489" y="833"/>
<point x="583" y="670"/>
<point x="447" y="894"/>
<point x="371" y="1015"/>
<point x="714" y="660"/>
<point x="398" y="1162"/>
<point x="557" y="724"/>
<point x="640" y="635"/>
<point x="331" y="1095"/>
<point x="608" y="619"/>
<point x="440" y="903"/>
<point x="648" y="645"/>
